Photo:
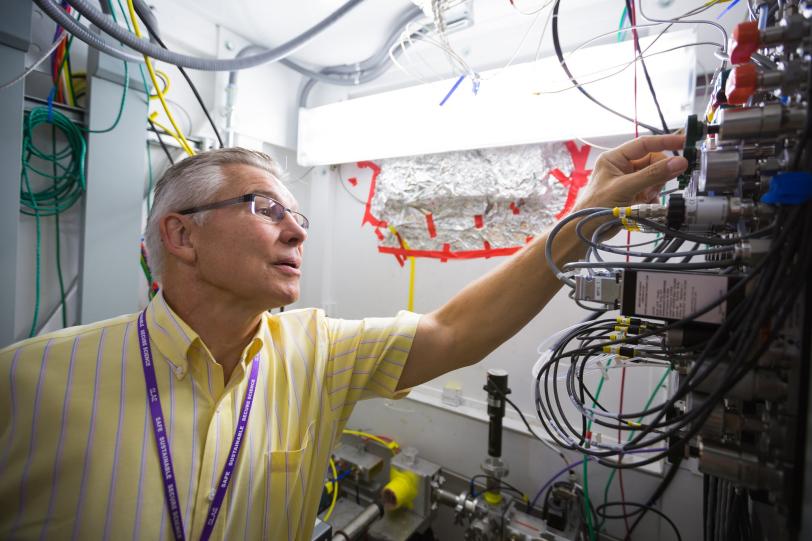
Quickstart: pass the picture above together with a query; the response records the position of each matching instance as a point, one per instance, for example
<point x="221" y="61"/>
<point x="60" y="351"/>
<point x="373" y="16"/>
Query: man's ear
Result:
<point x="176" y="236"/>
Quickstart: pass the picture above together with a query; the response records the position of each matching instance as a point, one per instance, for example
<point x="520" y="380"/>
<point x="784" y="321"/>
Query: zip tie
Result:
<point x="604" y="371"/>
<point x="51" y="95"/>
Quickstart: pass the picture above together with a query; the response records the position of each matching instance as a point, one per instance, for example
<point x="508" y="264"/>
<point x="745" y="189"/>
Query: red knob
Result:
<point x="741" y="83"/>
<point x="745" y="41"/>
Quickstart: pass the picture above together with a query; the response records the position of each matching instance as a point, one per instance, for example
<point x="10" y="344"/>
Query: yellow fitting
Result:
<point x="629" y="224"/>
<point x="492" y="498"/>
<point x="621" y="328"/>
<point x="401" y="490"/>
<point x="624" y="320"/>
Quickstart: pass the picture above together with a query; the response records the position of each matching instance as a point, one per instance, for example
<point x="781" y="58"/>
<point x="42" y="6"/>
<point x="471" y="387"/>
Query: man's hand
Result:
<point x="633" y="172"/>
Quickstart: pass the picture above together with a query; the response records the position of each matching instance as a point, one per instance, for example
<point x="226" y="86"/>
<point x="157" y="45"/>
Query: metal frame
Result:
<point x="116" y="168"/>
<point x="15" y="37"/>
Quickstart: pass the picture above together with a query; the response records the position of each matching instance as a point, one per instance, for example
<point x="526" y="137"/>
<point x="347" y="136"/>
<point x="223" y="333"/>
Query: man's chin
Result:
<point x="284" y="299"/>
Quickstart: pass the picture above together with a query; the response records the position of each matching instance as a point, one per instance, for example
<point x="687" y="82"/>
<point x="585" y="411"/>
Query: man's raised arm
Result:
<point x="493" y="308"/>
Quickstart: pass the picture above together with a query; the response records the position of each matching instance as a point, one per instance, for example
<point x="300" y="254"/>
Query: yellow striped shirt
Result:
<point x="78" y="458"/>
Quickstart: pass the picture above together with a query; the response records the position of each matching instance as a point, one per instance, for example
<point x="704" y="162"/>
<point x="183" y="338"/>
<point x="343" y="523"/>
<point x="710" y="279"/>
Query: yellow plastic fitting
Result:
<point x="401" y="490"/>
<point x="492" y="498"/>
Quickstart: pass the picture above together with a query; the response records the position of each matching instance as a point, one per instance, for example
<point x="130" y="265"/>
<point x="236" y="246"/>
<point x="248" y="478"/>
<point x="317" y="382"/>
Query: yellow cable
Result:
<point x="391" y="445"/>
<point x="67" y="82"/>
<point x="181" y="139"/>
<point x="335" y="491"/>
<point x="166" y="129"/>
<point x="165" y="78"/>
<point x="412" y="268"/>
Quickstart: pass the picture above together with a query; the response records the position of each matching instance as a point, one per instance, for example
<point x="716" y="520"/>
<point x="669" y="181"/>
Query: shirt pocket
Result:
<point x="290" y="461"/>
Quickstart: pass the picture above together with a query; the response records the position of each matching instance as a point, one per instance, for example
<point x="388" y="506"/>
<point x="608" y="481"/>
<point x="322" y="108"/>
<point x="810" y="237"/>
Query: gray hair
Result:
<point x="192" y="182"/>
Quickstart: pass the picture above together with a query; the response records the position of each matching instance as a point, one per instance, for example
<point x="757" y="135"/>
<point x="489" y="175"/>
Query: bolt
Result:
<point x="229" y="45"/>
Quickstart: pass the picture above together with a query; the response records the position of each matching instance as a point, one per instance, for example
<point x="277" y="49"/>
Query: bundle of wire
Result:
<point x="67" y="176"/>
<point x="743" y="336"/>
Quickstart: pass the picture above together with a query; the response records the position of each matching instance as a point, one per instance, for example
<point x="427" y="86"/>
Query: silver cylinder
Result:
<point x="359" y="524"/>
<point x="763" y="122"/>
<point x="720" y="170"/>
<point x="738" y="466"/>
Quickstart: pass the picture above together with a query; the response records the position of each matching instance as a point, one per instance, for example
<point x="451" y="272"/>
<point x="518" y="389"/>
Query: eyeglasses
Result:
<point x="270" y="209"/>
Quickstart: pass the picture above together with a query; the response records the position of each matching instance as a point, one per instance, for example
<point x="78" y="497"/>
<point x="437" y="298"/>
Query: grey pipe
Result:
<point x="207" y="64"/>
<point x="367" y="69"/>
<point x="364" y="71"/>
<point x="359" y="524"/>
<point x="345" y="75"/>
<point x="97" y="42"/>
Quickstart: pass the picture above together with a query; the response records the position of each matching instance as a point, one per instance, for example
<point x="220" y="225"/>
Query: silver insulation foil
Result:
<point x="455" y="187"/>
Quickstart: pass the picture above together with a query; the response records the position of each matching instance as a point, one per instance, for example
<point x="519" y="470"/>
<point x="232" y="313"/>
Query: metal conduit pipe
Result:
<point x="143" y="46"/>
<point x="359" y="524"/>
<point x="345" y="75"/>
<point x="58" y="15"/>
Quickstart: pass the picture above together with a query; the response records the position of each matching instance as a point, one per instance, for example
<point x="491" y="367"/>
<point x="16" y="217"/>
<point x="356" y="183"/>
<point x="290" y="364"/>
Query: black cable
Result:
<point x="763" y="281"/>
<point x="199" y="99"/>
<point x="559" y="53"/>
<point x="161" y="141"/>
<point x="629" y="11"/>
<point x="503" y="485"/>
<point x="658" y="492"/>
<point x="601" y="512"/>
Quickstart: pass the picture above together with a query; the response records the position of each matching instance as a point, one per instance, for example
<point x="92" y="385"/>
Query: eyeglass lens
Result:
<point x="275" y="211"/>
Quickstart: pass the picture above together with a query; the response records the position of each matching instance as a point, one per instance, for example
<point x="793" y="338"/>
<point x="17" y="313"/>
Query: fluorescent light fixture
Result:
<point x="520" y="104"/>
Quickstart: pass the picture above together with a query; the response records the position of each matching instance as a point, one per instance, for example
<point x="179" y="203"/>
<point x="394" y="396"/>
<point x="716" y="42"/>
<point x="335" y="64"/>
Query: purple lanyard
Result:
<point x="158" y="427"/>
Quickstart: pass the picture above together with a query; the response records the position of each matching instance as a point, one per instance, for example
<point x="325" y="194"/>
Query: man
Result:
<point x="207" y="416"/>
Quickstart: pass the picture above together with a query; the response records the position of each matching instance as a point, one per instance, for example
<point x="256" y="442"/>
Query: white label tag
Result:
<point x="675" y="296"/>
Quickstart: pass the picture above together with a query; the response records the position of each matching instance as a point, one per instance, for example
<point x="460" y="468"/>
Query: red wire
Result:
<point x="633" y="20"/>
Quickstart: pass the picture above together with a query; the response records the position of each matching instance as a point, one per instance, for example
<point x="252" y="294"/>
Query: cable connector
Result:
<point x="601" y="288"/>
<point x="624" y="352"/>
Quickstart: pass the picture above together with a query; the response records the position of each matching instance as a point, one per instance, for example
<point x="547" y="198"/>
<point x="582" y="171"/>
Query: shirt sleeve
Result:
<point x="366" y="358"/>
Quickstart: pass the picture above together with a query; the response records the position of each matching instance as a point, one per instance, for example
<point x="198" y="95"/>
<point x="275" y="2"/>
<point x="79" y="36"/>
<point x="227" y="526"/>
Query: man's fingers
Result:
<point x="655" y="174"/>
<point x="647" y="160"/>
<point x="638" y="148"/>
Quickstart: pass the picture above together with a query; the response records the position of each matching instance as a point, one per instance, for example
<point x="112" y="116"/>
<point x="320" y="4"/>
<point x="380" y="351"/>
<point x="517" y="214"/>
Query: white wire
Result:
<point x="33" y="66"/>
<point x="519" y="47"/>
<point x="642" y="55"/>
<point x="679" y="20"/>
<point x="532" y="12"/>
<point x="623" y="68"/>
<point x="593" y="145"/>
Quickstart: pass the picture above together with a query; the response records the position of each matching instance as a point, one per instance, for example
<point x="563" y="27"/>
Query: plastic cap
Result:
<point x="745" y="41"/>
<point x="741" y="84"/>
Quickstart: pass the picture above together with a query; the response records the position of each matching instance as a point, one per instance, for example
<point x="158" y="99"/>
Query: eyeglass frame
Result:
<point x="249" y="198"/>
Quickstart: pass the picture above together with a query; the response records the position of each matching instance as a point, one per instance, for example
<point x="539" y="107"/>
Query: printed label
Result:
<point x="676" y="296"/>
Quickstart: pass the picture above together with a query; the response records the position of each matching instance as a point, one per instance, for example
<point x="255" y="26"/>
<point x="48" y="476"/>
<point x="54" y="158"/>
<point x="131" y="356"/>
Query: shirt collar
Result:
<point x="176" y="339"/>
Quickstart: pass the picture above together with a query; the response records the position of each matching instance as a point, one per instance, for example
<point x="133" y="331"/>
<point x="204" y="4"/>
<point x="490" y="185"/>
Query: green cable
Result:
<point x="150" y="181"/>
<point x="120" y="108"/>
<point x="67" y="183"/>
<point x="621" y="34"/>
<point x="123" y="93"/>
<point x="58" y="245"/>
<point x="631" y="435"/>
<point x="587" y="506"/>
<point x="144" y="264"/>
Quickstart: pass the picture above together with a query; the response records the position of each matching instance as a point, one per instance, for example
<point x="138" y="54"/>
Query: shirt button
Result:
<point x="212" y="492"/>
<point x="179" y="371"/>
